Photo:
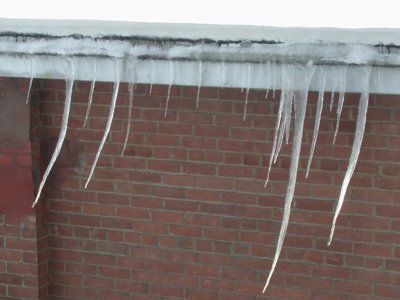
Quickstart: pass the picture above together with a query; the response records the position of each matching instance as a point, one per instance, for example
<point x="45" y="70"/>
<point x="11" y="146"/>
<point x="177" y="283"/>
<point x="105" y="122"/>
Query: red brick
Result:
<point x="6" y="159"/>
<point x="98" y="283"/>
<point x="166" y="290"/>
<point x="133" y="213"/>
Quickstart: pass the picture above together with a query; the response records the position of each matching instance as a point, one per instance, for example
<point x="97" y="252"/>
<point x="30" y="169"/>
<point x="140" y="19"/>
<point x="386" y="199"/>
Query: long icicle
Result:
<point x="287" y="104"/>
<point x="223" y="75"/>
<point x="287" y="111"/>
<point x="268" y="79"/>
<point x="69" y="82"/>
<point x="277" y="126"/>
<point x="343" y="78"/>
<point x="152" y="77"/>
<point x="131" y="88"/>
<point x="318" y="113"/>
<point x="247" y="91"/>
<point x="274" y="81"/>
<point x="28" y="94"/>
<point x="171" y="78"/>
<point x="355" y="151"/>
<point x="91" y="92"/>
<point x="200" y="83"/>
<point x="109" y="122"/>
<point x="300" y="113"/>
<point x="334" y="86"/>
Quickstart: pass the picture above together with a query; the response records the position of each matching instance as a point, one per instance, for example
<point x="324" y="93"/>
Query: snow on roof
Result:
<point x="40" y="47"/>
<point x="201" y="31"/>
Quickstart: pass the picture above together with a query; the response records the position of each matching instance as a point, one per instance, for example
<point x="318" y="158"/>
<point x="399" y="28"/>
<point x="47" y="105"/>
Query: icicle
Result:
<point x="131" y="88"/>
<point x="92" y="85"/>
<point x="223" y="74"/>
<point x="69" y="82"/>
<point x="109" y="121"/>
<point x="301" y="105"/>
<point x="274" y="81"/>
<point x="243" y="79"/>
<point x="287" y="110"/>
<point x="288" y="115"/>
<point x="200" y="83"/>
<point x="355" y="151"/>
<point x="277" y="126"/>
<point x="332" y="100"/>
<point x="171" y="78"/>
<point x="152" y="76"/>
<point x="268" y="79"/>
<point x="342" y="89"/>
<point x="28" y="95"/>
<point x="320" y="103"/>
<point x="247" y="91"/>
<point x="333" y="88"/>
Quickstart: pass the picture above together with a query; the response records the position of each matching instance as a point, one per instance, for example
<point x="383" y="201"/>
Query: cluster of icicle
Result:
<point x="292" y="98"/>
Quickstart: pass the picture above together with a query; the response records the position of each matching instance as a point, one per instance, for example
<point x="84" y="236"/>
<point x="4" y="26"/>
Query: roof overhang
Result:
<point x="231" y="56"/>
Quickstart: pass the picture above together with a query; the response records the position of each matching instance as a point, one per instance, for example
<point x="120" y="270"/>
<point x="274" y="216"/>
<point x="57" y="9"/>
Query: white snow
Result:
<point x="329" y="13"/>
<point x="296" y="34"/>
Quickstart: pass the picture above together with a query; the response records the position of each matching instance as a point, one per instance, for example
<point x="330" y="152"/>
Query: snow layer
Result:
<point x="201" y="31"/>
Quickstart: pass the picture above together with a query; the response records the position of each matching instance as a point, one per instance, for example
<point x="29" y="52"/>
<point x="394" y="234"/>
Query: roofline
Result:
<point x="92" y="28"/>
<point x="243" y="53"/>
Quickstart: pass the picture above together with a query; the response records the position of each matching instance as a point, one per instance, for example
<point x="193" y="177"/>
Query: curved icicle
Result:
<point x="171" y="78"/>
<point x="69" y="82"/>
<point x="152" y="77"/>
<point x="277" y="126"/>
<point x="268" y="79"/>
<point x="223" y="75"/>
<point x="334" y="69"/>
<point x="300" y="113"/>
<point x="28" y="94"/>
<point x="343" y="77"/>
<point x="287" y="112"/>
<point x="355" y="151"/>
<point x="318" y="113"/>
<point x="131" y="88"/>
<point x="200" y="83"/>
<point x="109" y="122"/>
<point x="90" y="99"/>
<point x="274" y="81"/>
<point x="247" y="92"/>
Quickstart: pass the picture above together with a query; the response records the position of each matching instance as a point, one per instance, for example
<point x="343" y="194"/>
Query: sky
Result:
<point x="280" y="13"/>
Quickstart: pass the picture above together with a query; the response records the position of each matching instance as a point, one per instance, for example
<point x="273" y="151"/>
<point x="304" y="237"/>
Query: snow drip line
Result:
<point x="292" y="79"/>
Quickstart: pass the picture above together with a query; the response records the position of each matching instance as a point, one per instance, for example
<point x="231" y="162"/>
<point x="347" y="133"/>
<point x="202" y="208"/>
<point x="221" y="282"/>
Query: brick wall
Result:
<point x="184" y="214"/>
<point x="23" y="253"/>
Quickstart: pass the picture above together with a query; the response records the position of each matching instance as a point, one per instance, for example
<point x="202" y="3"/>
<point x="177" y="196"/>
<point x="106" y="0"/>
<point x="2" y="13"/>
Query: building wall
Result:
<point x="185" y="215"/>
<point x="23" y="250"/>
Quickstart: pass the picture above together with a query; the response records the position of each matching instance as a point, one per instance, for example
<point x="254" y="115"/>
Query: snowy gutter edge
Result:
<point x="46" y="54"/>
